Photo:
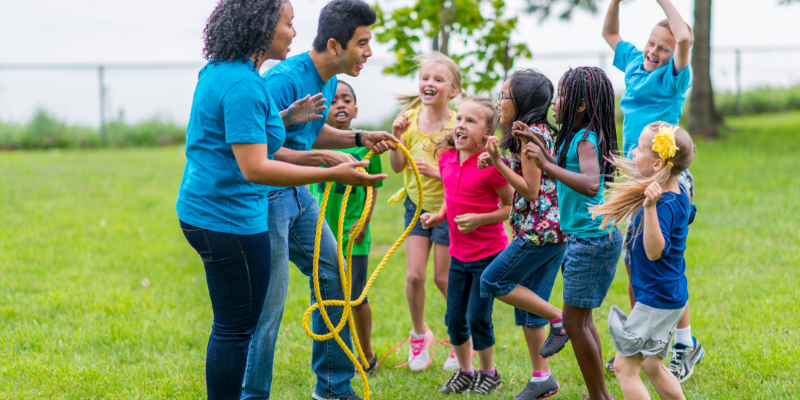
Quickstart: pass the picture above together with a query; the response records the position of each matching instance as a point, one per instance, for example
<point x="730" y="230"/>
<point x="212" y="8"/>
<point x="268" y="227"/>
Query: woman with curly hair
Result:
<point x="234" y="129"/>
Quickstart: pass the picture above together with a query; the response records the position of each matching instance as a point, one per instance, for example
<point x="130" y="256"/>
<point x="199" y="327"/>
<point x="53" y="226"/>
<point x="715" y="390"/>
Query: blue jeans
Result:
<point x="589" y="268"/>
<point x="237" y="273"/>
<point x="526" y="264"/>
<point x="467" y="312"/>
<point x="293" y="214"/>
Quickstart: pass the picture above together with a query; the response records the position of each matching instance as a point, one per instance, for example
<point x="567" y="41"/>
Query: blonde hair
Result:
<point x="627" y="196"/>
<point x="446" y="140"/>
<point x="411" y="101"/>
<point x="665" y="24"/>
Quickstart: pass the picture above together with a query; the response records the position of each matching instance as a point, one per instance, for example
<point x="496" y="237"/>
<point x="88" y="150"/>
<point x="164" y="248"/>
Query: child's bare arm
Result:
<point x="683" y="38"/>
<point x="396" y="157"/>
<point x="587" y="182"/>
<point x="611" y="25"/>
<point x="519" y="183"/>
<point x="652" y="237"/>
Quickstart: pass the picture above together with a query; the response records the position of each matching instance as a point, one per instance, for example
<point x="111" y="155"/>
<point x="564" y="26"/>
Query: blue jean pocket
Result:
<point x="613" y="249"/>
<point x="198" y="239"/>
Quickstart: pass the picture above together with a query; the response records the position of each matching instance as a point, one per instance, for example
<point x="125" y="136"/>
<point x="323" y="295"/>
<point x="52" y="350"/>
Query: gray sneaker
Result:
<point x="485" y="383"/>
<point x="539" y="390"/>
<point x="610" y="364"/>
<point x="684" y="359"/>
<point x="556" y="340"/>
<point x="458" y="383"/>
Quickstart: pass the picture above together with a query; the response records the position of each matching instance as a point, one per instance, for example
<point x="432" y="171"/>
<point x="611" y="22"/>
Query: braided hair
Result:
<point x="591" y="85"/>
<point x="531" y="93"/>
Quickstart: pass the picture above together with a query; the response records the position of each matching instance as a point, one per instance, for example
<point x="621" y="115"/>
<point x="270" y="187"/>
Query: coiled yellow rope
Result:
<point x="345" y="270"/>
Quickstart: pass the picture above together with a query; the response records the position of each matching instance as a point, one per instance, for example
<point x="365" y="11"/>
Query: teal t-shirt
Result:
<point x="575" y="217"/>
<point x="231" y="105"/>
<point x="649" y="96"/>
<point x="355" y="203"/>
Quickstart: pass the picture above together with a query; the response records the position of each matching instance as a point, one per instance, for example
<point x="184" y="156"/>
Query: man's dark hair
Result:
<point x="239" y="29"/>
<point x="339" y="19"/>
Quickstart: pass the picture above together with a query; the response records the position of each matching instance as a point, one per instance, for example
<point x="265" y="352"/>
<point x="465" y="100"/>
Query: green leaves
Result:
<point x="472" y="32"/>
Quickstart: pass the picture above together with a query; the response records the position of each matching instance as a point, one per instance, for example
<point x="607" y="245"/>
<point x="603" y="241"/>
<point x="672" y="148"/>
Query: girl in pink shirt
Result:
<point x="477" y="235"/>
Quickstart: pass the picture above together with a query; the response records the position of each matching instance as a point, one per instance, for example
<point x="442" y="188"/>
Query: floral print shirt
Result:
<point x="538" y="222"/>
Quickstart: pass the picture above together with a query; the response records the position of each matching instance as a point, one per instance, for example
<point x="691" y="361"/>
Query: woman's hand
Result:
<point x="304" y="110"/>
<point x="430" y="220"/>
<point x="651" y="195"/>
<point x="425" y="169"/>
<point x="348" y="174"/>
<point x="400" y="125"/>
<point x="468" y="222"/>
<point x="379" y="142"/>
<point x="361" y="234"/>
<point x="485" y="160"/>
<point x="334" y="158"/>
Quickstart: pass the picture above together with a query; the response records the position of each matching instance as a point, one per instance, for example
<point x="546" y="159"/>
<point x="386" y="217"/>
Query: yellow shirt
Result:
<point x="420" y="146"/>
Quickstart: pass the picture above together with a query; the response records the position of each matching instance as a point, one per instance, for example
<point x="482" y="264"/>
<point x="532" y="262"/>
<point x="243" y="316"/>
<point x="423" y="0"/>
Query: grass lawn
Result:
<point x="101" y="296"/>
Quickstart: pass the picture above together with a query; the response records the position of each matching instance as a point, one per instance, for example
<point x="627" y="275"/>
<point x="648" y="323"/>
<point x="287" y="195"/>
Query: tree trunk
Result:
<point x="447" y="17"/>
<point x="703" y="116"/>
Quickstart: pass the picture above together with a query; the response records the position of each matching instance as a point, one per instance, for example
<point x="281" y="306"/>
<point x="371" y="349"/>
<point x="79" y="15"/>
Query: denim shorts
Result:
<point x="527" y="264"/>
<point x="589" y="268"/>
<point x="687" y="180"/>
<point x="438" y="234"/>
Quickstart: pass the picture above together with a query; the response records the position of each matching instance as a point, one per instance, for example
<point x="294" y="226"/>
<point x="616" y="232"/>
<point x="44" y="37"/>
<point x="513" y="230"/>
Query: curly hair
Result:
<point x="239" y="29"/>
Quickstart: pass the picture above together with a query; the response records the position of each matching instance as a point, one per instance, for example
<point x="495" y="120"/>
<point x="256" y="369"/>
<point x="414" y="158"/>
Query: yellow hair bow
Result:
<point x="664" y="143"/>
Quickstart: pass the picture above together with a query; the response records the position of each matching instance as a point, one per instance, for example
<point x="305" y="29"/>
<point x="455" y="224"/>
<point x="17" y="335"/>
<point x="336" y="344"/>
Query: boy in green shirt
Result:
<point x="343" y="110"/>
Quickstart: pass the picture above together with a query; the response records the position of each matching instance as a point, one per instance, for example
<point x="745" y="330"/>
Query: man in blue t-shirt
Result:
<point x="341" y="46"/>
<point x="656" y="81"/>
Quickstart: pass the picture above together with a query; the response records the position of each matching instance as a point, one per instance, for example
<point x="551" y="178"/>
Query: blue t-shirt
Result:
<point x="291" y="80"/>
<point x="662" y="283"/>
<point x="649" y="96"/>
<point x="231" y="105"/>
<point x="575" y="217"/>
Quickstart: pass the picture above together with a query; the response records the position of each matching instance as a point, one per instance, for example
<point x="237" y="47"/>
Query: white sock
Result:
<point x="415" y="336"/>
<point x="684" y="336"/>
<point x="540" y="376"/>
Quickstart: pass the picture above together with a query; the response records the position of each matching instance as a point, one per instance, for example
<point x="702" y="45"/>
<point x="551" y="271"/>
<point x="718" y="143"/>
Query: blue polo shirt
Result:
<point x="292" y="80"/>
<point x="575" y="217"/>
<point x="649" y="96"/>
<point x="662" y="283"/>
<point x="231" y="105"/>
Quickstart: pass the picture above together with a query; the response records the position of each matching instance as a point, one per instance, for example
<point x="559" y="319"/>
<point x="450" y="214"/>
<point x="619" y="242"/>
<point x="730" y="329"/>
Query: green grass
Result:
<point x="101" y="297"/>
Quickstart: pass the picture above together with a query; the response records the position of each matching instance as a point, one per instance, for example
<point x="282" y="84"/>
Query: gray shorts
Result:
<point x="359" y="277"/>
<point x="646" y="332"/>
<point x="687" y="180"/>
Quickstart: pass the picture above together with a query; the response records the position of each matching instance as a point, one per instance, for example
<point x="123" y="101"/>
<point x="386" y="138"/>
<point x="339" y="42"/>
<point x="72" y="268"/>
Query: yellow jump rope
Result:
<point x="345" y="271"/>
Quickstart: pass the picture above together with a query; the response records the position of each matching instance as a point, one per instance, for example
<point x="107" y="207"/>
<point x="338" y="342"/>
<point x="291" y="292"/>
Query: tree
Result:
<point x="704" y="118"/>
<point x="472" y="32"/>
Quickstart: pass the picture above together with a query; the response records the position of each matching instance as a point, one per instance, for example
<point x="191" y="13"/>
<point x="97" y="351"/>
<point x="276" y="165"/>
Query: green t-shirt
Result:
<point x="355" y="203"/>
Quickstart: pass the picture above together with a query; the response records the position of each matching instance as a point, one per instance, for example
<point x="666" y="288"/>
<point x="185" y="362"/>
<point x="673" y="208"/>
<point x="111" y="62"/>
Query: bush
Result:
<point x="47" y="132"/>
<point x="761" y="100"/>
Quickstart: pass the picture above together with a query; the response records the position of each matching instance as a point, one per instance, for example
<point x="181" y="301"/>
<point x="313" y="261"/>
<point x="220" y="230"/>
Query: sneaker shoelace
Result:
<point x="481" y="384"/>
<point x="453" y="353"/>
<point x="674" y="362"/>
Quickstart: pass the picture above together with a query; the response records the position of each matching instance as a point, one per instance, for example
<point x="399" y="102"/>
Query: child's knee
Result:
<point x="653" y="366"/>
<point x="415" y="278"/>
<point x="440" y="280"/>
<point x="625" y="366"/>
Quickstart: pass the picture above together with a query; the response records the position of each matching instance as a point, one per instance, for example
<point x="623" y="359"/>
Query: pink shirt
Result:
<point x="468" y="189"/>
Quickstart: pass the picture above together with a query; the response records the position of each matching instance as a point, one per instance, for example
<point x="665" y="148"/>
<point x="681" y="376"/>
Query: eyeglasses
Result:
<point x="503" y="97"/>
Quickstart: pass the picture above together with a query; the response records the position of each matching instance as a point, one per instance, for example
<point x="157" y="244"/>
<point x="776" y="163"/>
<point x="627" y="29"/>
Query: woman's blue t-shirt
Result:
<point x="662" y="283"/>
<point x="231" y="105"/>
<point x="575" y="217"/>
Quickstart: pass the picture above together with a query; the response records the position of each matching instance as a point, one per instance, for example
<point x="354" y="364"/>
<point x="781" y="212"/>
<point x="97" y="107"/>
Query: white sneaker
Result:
<point x="419" y="352"/>
<point x="451" y="364"/>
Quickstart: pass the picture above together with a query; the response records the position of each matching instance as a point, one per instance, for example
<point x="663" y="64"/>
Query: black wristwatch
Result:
<point x="358" y="138"/>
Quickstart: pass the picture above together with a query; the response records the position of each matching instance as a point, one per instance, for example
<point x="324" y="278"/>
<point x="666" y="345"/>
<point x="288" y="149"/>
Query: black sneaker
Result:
<point x="539" y="390"/>
<point x="373" y="365"/>
<point x="684" y="359"/>
<point x="458" y="383"/>
<point x="485" y="383"/>
<point x="557" y="339"/>
<point x="610" y="364"/>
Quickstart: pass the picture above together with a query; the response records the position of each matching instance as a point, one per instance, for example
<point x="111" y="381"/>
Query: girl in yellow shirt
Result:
<point x="424" y="117"/>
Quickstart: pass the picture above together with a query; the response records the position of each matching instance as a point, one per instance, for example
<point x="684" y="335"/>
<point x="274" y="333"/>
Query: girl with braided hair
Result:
<point x="584" y="106"/>
<point x="659" y="206"/>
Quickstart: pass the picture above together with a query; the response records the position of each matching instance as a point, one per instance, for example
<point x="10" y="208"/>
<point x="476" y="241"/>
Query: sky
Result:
<point x="156" y="31"/>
